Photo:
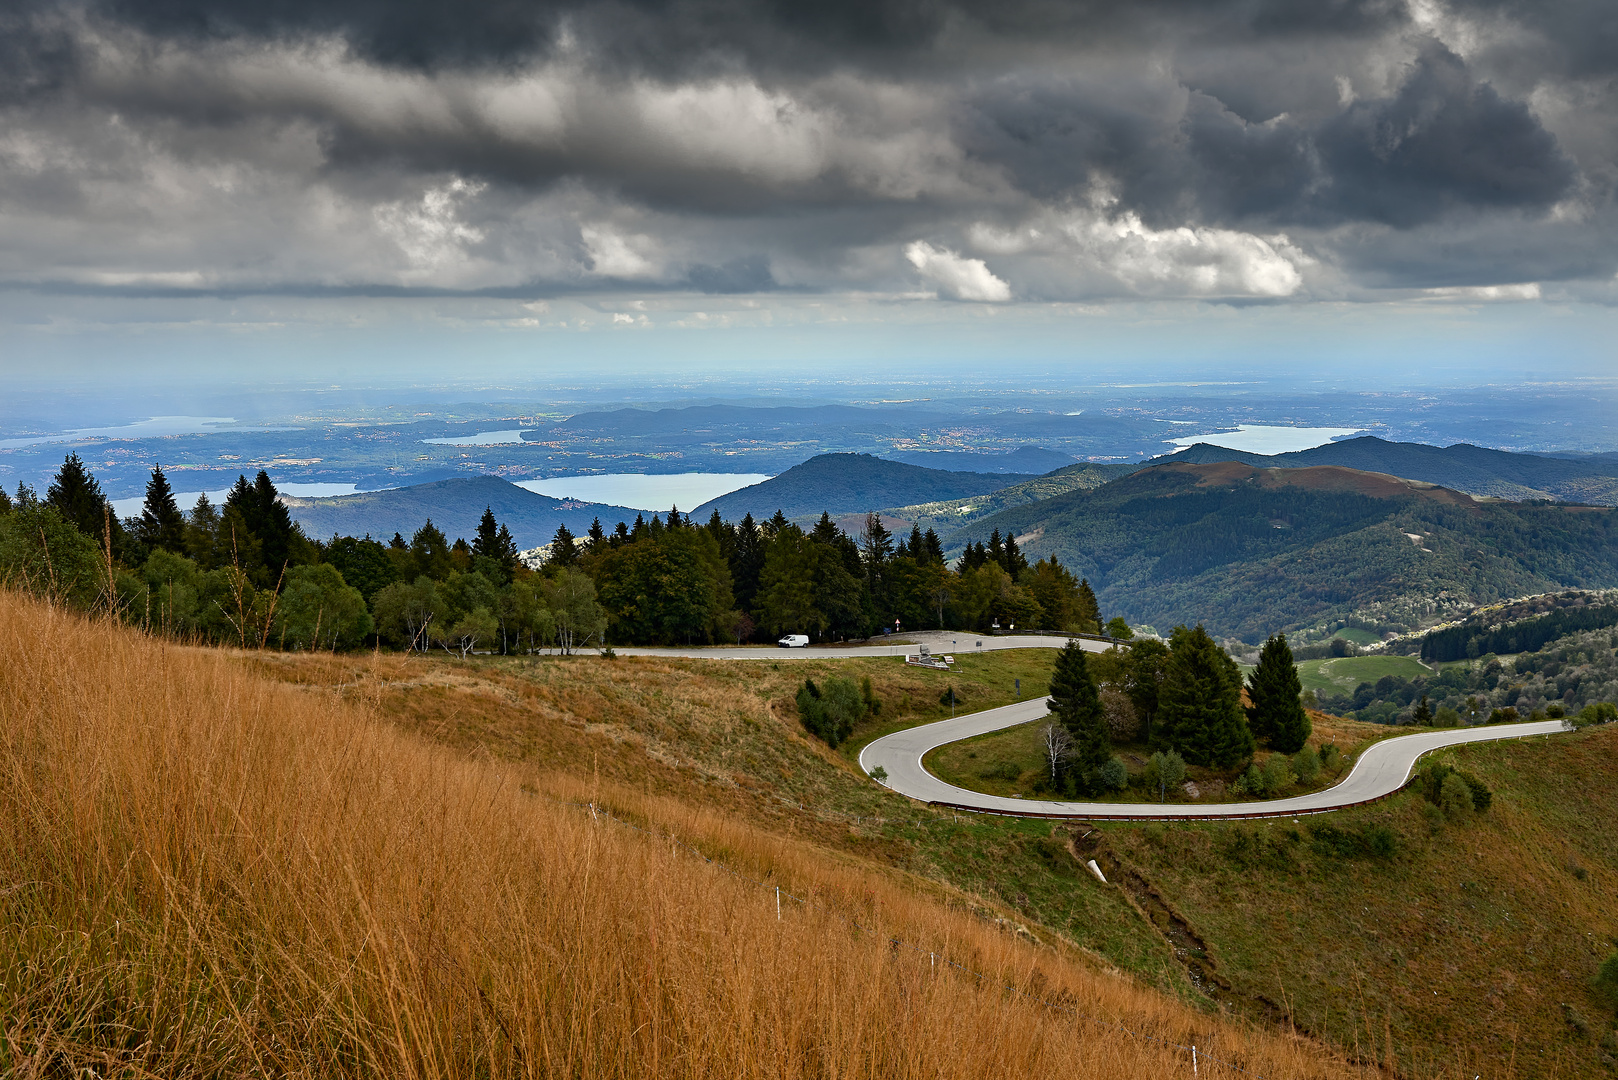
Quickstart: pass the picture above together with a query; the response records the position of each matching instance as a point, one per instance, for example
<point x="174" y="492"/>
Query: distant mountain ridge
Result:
<point x="1476" y="470"/>
<point x="1251" y="550"/>
<point x="841" y="484"/>
<point x="455" y="506"/>
<point x="945" y="516"/>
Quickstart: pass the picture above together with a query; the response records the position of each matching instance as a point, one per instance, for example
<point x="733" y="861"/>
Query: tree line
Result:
<point x="244" y="573"/>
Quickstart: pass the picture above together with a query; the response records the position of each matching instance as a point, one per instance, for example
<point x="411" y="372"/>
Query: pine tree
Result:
<point x="1199" y="704"/>
<point x="486" y="541"/>
<point x="429" y="550"/>
<point x="1086" y="611"/>
<point x="935" y="547"/>
<point x="564" y="552"/>
<point x="1424" y="714"/>
<point x="77" y="497"/>
<point x="161" y="523"/>
<point x="1076" y="703"/>
<point x="5" y="502"/>
<point x="598" y="538"/>
<point x="1276" y="713"/>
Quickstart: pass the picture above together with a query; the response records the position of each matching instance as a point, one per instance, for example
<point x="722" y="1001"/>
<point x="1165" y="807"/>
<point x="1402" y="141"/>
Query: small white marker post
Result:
<point x="778" y="903"/>
<point x="1193" y="1059"/>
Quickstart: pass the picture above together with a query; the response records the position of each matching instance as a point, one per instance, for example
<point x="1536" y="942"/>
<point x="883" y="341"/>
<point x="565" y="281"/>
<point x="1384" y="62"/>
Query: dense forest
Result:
<point x="1575" y="672"/>
<point x="243" y="573"/>
<point x="1253" y="555"/>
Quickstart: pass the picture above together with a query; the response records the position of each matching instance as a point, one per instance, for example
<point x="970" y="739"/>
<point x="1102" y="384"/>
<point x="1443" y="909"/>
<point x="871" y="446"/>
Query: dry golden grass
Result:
<point x="204" y="872"/>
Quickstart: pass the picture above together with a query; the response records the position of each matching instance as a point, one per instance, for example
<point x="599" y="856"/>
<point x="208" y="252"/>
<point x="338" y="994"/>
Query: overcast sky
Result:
<point x="512" y="167"/>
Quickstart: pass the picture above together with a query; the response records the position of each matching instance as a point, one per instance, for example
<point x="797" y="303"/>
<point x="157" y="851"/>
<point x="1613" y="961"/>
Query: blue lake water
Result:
<point x="482" y="438"/>
<point x="640" y="491"/>
<point x="130" y="507"/>
<point x="156" y="427"/>
<point x="1268" y="439"/>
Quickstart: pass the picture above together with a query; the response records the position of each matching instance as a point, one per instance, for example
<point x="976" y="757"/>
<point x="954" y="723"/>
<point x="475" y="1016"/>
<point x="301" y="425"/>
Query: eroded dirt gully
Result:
<point x="1190" y="950"/>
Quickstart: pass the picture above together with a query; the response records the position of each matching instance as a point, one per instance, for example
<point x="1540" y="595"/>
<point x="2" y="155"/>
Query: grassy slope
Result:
<point x="204" y="873"/>
<point x="1473" y="937"/>
<point x="725" y="734"/>
<point x="947" y="515"/>
<point x="1345" y="673"/>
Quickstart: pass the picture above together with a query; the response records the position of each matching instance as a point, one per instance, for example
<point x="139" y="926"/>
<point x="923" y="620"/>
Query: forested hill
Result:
<point x="842" y="484"/>
<point x="455" y="507"/>
<point x="947" y="515"/>
<point x="1475" y="470"/>
<point x="1249" y="551"/>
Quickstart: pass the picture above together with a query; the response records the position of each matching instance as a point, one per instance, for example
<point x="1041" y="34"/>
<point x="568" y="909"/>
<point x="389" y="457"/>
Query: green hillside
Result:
<point x="842" y="484"/>
<point x="1251" y="551"/>
<point x="1475" y="470"/>
<point x="950" y="514"/>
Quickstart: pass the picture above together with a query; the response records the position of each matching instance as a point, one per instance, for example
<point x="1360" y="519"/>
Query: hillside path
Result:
<point x="939" y="641"/>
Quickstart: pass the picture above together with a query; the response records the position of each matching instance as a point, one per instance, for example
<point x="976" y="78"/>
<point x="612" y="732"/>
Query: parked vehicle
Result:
<point x="794" y="641"/>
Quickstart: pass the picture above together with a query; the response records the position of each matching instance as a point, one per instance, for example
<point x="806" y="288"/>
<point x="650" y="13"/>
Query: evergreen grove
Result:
<point x="244" y="573"/>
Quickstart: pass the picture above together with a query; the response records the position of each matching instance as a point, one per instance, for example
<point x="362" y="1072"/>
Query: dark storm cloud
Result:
<point x="1024" y="148"/>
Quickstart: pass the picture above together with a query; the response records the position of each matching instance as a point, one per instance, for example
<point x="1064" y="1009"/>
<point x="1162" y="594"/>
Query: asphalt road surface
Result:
<point x="1381" y="770"/>
<point x="938" y="641"/>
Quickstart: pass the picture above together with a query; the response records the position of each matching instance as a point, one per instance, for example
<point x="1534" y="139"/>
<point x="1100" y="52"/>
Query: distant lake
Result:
<point x="640" y="491"/>
<point x="156" y="427"/>
<point x="482" y="438"/>
<point x="130" y="507"/>
<point x="1267" y="439"/>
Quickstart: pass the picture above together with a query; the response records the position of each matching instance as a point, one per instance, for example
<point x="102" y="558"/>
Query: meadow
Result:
<point x="205" y="871"/>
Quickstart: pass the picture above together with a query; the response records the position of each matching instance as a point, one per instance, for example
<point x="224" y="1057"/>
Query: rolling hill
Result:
<point x="947" y="515"/>
<point x="851" y="484"/>
<point x="455" y="507"/>
<point x="1249" y="551"/>
<point x="1475" y="470"/>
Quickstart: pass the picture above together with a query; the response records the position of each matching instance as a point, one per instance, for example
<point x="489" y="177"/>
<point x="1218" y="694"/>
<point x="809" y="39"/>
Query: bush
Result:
<point x="879" y="774"/>
<point x="1601" y="712"/>
<point x="830" y="712"/>
<point x="1454" y="797"/>
<point x="1306" y="764"/>
<point x="1113" y="775"/>
<point x="1446" y="717"/>
<point x="1605" y="983"/>
<point x="1482" y="797"/>
<point x="1366" y="842"/>
<point x="1163" y="774"/>
<point x="1331" y="758"/>
<point x="1508" y="715"/>
<point x="873" y="704"/>
<point x="1277" y="774"/>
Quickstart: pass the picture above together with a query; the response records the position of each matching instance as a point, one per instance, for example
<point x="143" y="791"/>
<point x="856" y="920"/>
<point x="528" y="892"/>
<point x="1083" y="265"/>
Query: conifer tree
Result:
<point x="1086" y="611"/>
<point x="5" y="502"/>
<point x="1076" y="703"/>
<point x="486" y="541"/>
<point x="1424" y="714"/>
<point x="935" y="547"/>
<point x="1199" y="704"/>
<point x="564" y="551"/>
<point x="1276" y="713"/>
<point x="161" y="523"/>
<point x="77" y="497"/>
<point x="598" y="537"/>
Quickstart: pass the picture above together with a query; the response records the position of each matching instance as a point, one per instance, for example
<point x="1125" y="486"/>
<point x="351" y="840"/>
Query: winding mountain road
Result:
<point x="1382" y="769"/>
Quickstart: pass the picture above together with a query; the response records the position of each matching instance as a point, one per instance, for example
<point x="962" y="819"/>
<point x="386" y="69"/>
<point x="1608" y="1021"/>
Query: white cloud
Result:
<point x="1189" y="260"/>
<point x="1524" y="291"/>
<point x="614" y="255"/>
<point x="430" y="232"/>
<point x="955" y="275"/>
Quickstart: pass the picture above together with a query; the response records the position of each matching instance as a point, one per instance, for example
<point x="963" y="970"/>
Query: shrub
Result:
<point x="1005" y="770"/>
<point x="1482" y="797"/>
<point x="1113" y="775"/>
<point x="1446" y="717"/>
<point x="1605" y="983"/>
<point x="879" y="774"/>
<point x="1306" y="764"/>
<point x="1454" y="797"/>
<point x="1508" y="715"/>
<point x="1331" y="758"/>
<point x="1164" y="773"/>
<point x="1366" y="842"/>
<point x="829" y="712"/>
<point x="873" y="704"/>
<point x="1601" y="712"/>
<point x="1277" y="774"/>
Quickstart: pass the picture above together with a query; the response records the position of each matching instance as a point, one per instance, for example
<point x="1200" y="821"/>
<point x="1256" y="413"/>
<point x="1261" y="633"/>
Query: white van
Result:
<point x="794" y="641"/>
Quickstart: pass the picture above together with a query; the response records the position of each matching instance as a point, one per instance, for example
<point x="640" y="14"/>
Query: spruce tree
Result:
<point x="1199" y="704"/>
<point x="1424" y="714"/>
<point x="1276" y="713"/>
<point x="1086" y="611"/>
<point x="5" y="502"/>
<point x="564" y="551"/>
<point x="77" y="497"/>
<point x="486" y="542"/>
<point x="1076" y="704"/>
<point x="161" y="523"/>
